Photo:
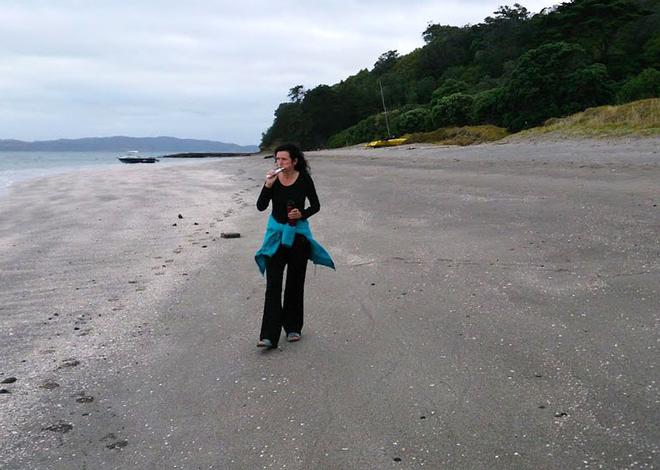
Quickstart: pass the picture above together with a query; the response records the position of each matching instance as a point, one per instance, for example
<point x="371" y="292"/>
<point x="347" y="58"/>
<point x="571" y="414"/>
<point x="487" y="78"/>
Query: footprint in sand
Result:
<point x="82" y="397"/>
<point x="60" y="427"/>
<point x="49" y="385"/>
<point x="117" y="444"/>
<point x="70" y="362"/>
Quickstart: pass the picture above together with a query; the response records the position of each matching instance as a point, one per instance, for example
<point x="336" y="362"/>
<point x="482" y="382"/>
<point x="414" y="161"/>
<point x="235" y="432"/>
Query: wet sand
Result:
<point x="493" y="307"/>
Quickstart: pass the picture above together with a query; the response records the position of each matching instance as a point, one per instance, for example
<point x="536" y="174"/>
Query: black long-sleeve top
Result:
<point x="301" y="189"/>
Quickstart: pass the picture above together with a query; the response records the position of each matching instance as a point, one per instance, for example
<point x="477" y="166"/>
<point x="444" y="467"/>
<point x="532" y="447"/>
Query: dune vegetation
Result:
<point x="639" y="118"/>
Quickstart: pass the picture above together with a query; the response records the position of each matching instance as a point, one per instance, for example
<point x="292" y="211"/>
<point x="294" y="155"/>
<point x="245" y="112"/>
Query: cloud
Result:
<point x="205" y="69"/>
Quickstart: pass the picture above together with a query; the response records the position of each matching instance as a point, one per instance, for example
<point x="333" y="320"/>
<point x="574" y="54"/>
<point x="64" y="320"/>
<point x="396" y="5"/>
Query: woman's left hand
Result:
<point x="294" y="214"/>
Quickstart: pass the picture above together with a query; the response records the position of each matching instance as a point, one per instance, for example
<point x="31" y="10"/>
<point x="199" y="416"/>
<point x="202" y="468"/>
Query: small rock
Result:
<point x="230" y="235"/>
<point x="195" y="223"/>
<point x="9" y="380"/>
<point x="174" y="225"/>
<point x="82" y="398"/>
<point x="397" y="459"/>
<point x="4" y="391"/>
<point x="561" y="414"/>
<point x="180" y="216"/>
<point x="117" y="445"/>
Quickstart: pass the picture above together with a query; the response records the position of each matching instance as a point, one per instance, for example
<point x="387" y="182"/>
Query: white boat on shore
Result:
<point x="133" y="156"/>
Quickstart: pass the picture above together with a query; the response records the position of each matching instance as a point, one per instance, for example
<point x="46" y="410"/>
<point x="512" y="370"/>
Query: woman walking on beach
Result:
<point x="288" y="242"/>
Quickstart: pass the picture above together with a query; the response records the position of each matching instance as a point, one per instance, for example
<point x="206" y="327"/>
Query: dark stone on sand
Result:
<point x="230" y="235"/>
<point x="174" y="225"/>
<point x="397" y="459"/>
<point x="9" y="380"/>
<point x="180" y="216"/>
<point x="195" y="223"/>
<point x="59" y="427"/>
<point x="82" y="398"/>
<point x="117" y="445"/>
<point x="4" y="391"/>
<point x="561" y="414"/>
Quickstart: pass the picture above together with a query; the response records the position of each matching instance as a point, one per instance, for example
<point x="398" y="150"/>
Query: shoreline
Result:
<point x="9" y="178"/>
<point x="477" y="288"/>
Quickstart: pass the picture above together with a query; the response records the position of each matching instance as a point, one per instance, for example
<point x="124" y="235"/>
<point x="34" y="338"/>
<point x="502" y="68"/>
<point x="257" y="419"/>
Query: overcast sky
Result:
<point x="196" y="68"/>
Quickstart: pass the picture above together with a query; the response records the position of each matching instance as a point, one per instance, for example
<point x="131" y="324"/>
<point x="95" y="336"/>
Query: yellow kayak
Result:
<point x="387" y="142"/>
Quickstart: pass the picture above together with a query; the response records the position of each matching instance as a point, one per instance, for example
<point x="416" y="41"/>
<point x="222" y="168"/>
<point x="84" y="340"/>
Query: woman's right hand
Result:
<point x="270" y="178"/>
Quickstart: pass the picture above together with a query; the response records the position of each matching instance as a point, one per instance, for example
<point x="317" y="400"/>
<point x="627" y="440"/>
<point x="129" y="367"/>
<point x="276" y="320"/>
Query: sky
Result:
<point x="197" y="68"/>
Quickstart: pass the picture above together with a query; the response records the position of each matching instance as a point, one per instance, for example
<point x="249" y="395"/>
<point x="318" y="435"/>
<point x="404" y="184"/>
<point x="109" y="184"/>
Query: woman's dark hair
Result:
<point x="296" y="154"/>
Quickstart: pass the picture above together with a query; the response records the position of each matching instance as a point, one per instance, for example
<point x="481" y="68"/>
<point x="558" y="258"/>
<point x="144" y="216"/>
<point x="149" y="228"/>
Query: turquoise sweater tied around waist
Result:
<point x="283" y="234"/>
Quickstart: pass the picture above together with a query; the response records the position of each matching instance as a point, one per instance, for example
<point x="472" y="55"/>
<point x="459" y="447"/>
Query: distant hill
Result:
<point x="122" y="144"/>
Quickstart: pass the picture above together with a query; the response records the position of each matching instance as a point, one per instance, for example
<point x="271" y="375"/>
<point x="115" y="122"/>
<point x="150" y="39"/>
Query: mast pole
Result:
<point x="382" y="97"/>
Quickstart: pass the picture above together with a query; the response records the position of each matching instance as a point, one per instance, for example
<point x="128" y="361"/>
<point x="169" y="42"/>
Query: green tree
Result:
<point x="485" y="108"/>
<point x="453" y="110"/>
<point x="546" y="82"/>
<point x="587" y="87"/>
<point x="297" y="93"/>
<point x="416" y="120"/>
<point x="448" y="87"/>
<point x="644" y="85"/>
<point x="385" y="62"/>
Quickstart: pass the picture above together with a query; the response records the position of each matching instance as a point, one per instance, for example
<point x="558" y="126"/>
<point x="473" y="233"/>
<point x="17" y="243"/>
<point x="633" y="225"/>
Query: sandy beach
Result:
<point x="494" y="307"/>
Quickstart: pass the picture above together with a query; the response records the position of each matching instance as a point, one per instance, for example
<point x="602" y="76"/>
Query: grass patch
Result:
<point x="467" y="135"/>
<point x="638" y="118"/>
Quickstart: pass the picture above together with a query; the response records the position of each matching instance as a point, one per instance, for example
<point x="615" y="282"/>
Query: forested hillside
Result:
<point x="513" y="70"/>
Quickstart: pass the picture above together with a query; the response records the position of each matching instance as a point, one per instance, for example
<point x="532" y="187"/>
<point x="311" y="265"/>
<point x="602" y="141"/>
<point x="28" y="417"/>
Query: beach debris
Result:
<point x="118" y="444"/>
<point x="9" y="380"/>
<point x="230" y="235"/>
<point x="180" y="216"/>
<point x="59" y="427"/>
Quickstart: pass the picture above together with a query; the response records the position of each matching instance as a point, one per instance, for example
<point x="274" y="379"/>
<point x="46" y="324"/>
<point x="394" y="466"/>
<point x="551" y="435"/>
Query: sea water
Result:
<point x="20" y="166"/>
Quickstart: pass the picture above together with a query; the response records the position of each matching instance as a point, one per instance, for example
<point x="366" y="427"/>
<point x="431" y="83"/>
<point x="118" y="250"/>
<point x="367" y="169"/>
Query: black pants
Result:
<point x="290" y="314"/>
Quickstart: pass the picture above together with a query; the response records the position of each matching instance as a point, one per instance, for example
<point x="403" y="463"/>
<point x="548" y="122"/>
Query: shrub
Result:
<point x="644" y="85"/>
<point x="417" y="120"/>
<point x="454" y="109"/>
<point x="485" y="107"/>
<point x="447" y="88"/>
